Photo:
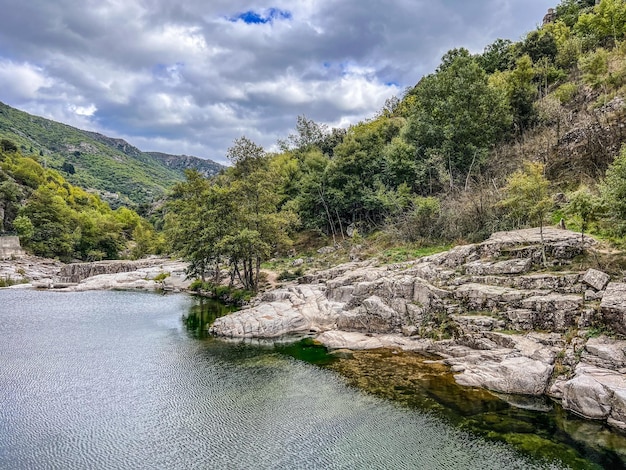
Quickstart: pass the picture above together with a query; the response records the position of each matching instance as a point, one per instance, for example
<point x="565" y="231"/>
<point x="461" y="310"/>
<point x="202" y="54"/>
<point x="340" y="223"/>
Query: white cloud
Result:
<point x="22" y="81"/>
<point x="182" y="77"/>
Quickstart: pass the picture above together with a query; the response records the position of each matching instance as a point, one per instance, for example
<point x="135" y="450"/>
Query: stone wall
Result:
<point x="10" y="248"/>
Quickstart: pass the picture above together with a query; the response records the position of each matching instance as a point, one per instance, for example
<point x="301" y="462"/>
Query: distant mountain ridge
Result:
<point x="118" y="171"/>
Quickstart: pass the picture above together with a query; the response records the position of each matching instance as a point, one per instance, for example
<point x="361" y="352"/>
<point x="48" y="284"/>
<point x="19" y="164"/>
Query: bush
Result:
<point x="566" y="92"/>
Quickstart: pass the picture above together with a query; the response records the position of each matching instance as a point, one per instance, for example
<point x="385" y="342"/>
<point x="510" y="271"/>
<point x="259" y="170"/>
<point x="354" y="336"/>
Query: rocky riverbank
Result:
<point x="493" y="312"/>
<point x="146" y="274"/>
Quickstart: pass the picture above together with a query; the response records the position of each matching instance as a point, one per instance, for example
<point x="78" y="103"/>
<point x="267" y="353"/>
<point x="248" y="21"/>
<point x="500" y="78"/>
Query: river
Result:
<point x="117" y="380"/>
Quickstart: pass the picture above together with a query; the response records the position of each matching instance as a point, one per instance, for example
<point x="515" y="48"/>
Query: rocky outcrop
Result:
<point x="458" y="306"/>
<point x="77" y="272"/>
<point x="148" y="274"/>
<point x="289" y="311"/>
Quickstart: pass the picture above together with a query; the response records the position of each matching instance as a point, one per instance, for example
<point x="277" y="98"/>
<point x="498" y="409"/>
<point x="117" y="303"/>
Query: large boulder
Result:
<point x="596" y="279"/>
<point x="294" y="310"/>
<point x="597" y="393"/>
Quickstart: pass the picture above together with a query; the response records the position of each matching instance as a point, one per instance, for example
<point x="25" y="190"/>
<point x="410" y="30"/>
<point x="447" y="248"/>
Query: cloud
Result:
<point x="190" y="77"/>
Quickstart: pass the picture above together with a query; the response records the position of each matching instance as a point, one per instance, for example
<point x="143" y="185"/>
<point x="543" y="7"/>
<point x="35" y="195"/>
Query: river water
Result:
<point x="117" y="380"/>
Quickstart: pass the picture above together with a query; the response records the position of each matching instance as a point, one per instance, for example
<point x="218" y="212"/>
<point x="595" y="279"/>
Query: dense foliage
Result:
<point x="481" y="144"/>
<point x="56" y="219"/>
<point x="121" y="173"/>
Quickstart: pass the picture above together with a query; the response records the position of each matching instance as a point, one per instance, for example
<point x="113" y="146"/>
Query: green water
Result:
<point x="537" y="427"/>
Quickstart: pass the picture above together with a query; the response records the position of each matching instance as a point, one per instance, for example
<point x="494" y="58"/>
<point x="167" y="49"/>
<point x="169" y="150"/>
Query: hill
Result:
<point x="119" y="172"/>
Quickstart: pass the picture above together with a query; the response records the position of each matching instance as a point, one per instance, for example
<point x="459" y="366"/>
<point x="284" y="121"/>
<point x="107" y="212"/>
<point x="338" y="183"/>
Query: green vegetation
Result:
<point x="484" y="143"/>
<point x="524" y="133"/>
<point x="122" y="174"/>
<point x="58" y="220"/>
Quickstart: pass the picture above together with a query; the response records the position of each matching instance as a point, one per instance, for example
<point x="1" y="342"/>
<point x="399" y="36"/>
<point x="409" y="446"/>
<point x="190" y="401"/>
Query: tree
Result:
<point x="497" y="57"/>
<point x="613" y="192"/>
<point x="457" y="117"/>
<point x="527" y="197"/>
<point x="584" y="205"/>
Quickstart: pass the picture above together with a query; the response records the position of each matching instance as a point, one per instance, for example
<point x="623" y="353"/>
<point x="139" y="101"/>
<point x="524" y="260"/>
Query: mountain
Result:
<point x="121" y="173"/>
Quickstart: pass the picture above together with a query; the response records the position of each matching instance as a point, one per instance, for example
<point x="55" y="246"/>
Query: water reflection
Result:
<point x="203" y="313"/>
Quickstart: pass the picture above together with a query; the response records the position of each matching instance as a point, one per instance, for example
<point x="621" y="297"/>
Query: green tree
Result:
<point x="457" y="117"/>
<point x="584" y="205"/>
<point x="497" y="57"/>
<point x="527" y="197"/>
<point x="54" y="225"/>
<point x="613" y="192"/>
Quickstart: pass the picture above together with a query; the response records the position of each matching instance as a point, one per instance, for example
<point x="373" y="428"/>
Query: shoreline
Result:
<point x="458" y="306"/>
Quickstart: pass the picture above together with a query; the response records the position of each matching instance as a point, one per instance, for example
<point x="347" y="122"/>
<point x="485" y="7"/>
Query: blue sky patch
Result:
<point x="268" y="16"/>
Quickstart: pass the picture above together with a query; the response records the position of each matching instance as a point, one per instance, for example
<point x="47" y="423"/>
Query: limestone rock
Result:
<point x="596" y="279"/>
<point x="10" y="247"/>
<point x="605" y="353"/>
<point x="556" y="312"/>
<point x="520" y="319"/>
<point x="481" y="296"/>
<point x="613" y="306"/>
<point x="354" y="340"/>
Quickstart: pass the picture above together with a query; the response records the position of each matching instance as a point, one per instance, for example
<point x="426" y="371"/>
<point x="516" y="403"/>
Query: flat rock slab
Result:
<point x="358" y="341"/>
<point x="606" y="353"/>
<point x="515" y="375"/>
<point x="486" y="268"/>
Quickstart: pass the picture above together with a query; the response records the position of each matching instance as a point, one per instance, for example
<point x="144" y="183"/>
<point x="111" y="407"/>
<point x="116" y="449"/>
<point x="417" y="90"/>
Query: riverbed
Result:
<point x="122" y="380"/>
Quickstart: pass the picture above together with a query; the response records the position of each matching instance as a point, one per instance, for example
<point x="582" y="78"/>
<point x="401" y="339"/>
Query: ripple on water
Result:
<point x="110" y="380"/>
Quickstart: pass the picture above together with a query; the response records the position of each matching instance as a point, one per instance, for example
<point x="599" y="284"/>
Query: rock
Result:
<point x="410" y="330"/>
<point x="557" y="241"/>
<point x="588" y="317"/>
<point x="478" y="323"/>
<point x="512" y="266"/>
<point x="555" y="312"/>
<point x="605" y="353"/>
<point x="297" y="309"/>
<point x="77" y="272"/>
<point x="326" y="250"/>
<point x="596" y="279"/>
<point x="594" y="392"/>
<point x="10" y="247"/>
<point x="360" y="341"/>
<point x="613" y="306"/>
<point x="372" y="316"/>
<point x="481" y="296"/>
<point x="297" y="262"/>
<point x="520" y="319"/>
<point x="515" y="375"/>
<point x="141" y="278"/>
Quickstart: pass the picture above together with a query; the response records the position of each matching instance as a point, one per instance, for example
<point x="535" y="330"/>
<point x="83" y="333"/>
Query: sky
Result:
<point x="189" y="77"/>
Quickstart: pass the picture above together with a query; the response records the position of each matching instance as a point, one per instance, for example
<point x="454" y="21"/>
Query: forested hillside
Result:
<point x="58" y="220"/>
<point x="525" y="133"/>
<point x="121" y="173"/>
